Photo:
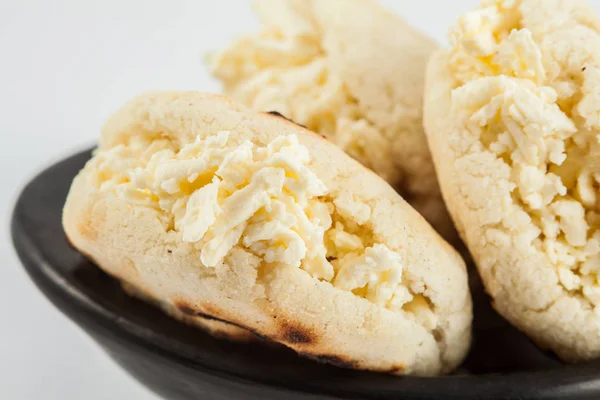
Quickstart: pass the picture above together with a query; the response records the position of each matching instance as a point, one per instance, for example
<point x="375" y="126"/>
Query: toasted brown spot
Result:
<point x="278" y="114"/>
<point x="334" y="360"/>
<point x="296" y="335"/>
<point x="191" y="311"/>
<point x="184" y="308"/>
<point x="233" y="337"/>
<point x="396" y="369"/>
<point x="208" y="310"/>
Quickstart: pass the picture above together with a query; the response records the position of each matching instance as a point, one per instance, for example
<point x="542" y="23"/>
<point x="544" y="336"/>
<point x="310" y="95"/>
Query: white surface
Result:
<point x="64" y="66"/>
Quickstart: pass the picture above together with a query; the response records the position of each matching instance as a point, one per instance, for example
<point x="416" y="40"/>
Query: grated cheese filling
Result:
<point x="286" y="68"/>
<point x="528" y="92"/>
<point x="264" y="199"/>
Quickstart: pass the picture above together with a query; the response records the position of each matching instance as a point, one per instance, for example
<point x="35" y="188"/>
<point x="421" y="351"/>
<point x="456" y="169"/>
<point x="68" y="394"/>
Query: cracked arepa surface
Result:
<point x="351" y="71"/>
<point x="512" y="113"/>
<point x="215" y="211"/>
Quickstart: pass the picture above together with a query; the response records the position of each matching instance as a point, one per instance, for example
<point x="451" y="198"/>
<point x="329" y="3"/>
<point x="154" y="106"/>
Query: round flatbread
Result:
<point x="511" y="113"/>
<point x="247" y="218"/>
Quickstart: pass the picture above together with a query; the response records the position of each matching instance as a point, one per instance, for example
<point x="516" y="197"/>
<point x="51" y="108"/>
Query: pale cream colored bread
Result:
<point x="214" y="326"/>
<point x="247" y="218"/>
<point x="512" y="113"/>
<point x="352" y="71"/>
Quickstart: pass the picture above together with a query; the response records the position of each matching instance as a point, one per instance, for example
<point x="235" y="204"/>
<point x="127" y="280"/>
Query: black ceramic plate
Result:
<point x="180" y="362"/>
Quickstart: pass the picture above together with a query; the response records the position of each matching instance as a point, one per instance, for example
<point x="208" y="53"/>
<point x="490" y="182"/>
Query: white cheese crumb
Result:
<point x="379" y="270"/>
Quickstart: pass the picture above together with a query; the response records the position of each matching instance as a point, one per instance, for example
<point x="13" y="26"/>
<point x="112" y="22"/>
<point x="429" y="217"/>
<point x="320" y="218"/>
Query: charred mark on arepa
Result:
<point x="336" y="361"/>
<point x="185" y="308"/>
<point x="396" y="369"/>
<point x="294" y="334"/>
<point x="280" y="115"/>
<point x="191" y="311"/>
<point x="290" y="334"/>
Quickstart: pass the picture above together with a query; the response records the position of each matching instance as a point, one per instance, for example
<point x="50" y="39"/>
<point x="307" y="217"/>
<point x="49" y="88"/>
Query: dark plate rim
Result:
<point x="75" y="303"/>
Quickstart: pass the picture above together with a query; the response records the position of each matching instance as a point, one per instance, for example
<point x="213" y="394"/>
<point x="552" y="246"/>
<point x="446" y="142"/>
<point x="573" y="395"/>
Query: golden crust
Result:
<point x="289" y="306"/>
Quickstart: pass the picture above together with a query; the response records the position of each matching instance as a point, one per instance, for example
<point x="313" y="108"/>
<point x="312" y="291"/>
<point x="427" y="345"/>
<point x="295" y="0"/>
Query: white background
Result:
<point x="64" y="66"/>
